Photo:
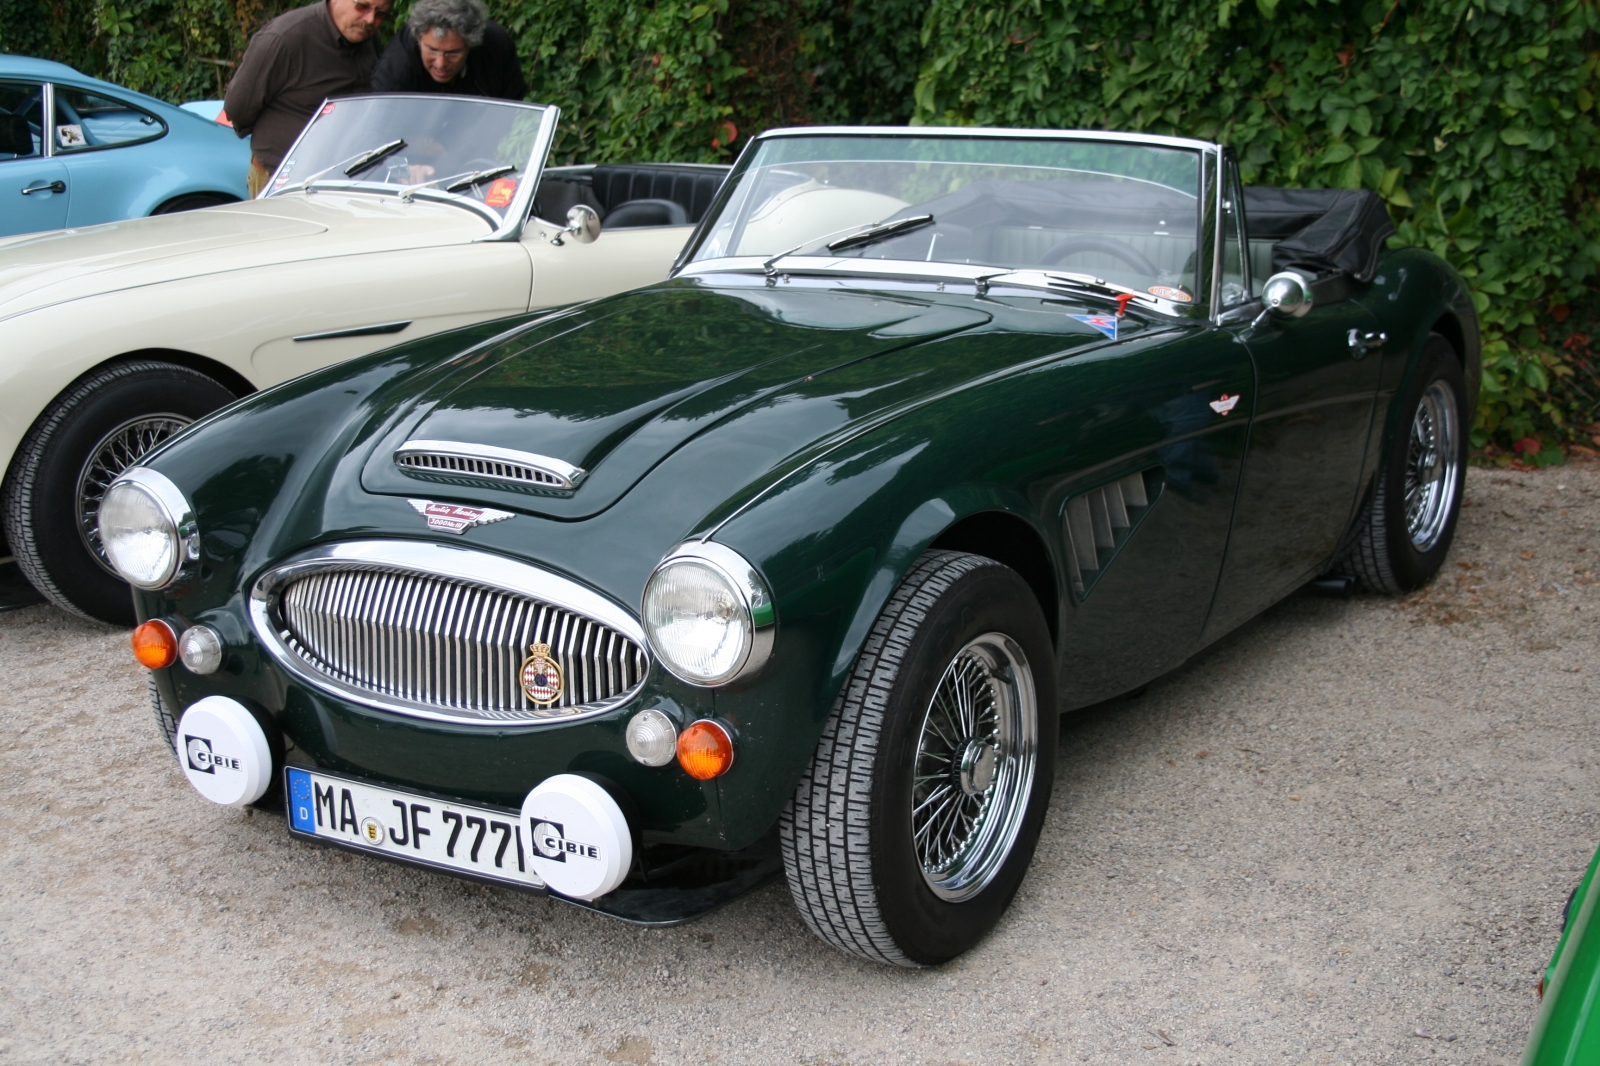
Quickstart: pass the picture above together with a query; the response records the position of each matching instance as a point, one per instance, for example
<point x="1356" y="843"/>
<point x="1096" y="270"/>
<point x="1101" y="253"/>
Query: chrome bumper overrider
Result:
<point x="439" y="632"/>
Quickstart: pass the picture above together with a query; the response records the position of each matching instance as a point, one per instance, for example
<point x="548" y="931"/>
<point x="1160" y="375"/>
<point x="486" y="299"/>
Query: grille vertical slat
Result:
<point x="447" y="644"/>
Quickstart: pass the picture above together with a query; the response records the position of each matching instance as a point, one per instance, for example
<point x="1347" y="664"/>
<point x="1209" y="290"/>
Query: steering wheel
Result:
<point x="1094" y="242"/>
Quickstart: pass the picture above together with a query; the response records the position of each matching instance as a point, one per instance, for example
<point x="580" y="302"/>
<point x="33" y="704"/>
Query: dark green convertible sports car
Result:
<point x="794" y="560"/>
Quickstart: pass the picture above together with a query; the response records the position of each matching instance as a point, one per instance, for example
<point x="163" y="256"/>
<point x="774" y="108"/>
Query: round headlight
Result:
<point x="139" y="530"/>
<point x="707" y="615"/>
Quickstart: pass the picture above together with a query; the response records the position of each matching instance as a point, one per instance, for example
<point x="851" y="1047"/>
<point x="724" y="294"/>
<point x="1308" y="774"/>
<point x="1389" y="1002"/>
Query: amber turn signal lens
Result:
<point x="155" y="645"/>
<point x="705" y="750"/>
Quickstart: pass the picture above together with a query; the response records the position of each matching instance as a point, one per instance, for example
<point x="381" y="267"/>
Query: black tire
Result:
<point x="849" y="847"/>
<point x="194" y="202"/>
<point x="166" y="721"/>
<point x="118" y="412"/>
<point x="1404" y="532"/>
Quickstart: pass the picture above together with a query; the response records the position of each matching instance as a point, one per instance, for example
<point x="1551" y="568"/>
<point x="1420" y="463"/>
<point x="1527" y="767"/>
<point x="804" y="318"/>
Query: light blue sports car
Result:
<point x="105" y="153"/>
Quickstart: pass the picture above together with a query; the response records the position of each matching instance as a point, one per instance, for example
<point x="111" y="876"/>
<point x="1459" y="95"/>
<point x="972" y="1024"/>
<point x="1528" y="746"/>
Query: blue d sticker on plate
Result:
<point x="300" y="801"/>
<point x="1106" y="324"/>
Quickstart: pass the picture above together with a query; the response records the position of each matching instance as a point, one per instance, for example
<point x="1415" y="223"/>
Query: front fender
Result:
<point x="829" y="590"/>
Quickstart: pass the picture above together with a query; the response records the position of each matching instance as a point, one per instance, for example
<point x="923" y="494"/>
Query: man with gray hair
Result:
<point x="451" y="46"/>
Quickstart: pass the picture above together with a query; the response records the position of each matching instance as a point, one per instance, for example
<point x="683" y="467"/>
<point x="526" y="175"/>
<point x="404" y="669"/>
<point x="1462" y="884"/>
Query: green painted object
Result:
<point x="1050" y="371"/>
<point x="1567" y="1030"/>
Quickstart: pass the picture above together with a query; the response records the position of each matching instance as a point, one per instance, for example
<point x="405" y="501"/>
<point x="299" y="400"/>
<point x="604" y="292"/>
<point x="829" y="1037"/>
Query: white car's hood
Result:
<point x="41" y="269"/>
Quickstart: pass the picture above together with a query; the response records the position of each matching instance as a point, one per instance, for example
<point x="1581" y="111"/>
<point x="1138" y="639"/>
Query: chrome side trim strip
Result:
<point x="356" y="331"/>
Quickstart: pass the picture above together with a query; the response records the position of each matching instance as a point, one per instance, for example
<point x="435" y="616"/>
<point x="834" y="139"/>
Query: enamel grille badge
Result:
<point x="453" y="518"/>
<point x="541" y="676"/>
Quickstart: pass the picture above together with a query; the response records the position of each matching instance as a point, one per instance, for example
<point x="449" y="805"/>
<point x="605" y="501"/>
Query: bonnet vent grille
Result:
<point x="1100" y="521"/>
<point x="481" y="462"/>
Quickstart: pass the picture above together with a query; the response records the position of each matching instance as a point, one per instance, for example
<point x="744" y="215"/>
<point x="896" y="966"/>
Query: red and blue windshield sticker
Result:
<point x="1106" y="324"/>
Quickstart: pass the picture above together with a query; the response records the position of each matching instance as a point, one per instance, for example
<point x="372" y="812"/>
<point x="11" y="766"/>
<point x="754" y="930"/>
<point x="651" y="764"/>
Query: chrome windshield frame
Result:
<point x="1207" y="221"/>
<point x="508" y="228"/>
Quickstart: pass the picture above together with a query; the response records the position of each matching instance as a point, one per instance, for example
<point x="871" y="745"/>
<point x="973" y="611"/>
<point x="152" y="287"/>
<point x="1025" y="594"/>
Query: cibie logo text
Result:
<point x="203" y="759"/>
<point x="551" y="840"/>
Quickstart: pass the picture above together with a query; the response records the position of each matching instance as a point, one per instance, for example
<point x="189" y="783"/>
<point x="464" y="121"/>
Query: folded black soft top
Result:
<point x="1320" y="231"/>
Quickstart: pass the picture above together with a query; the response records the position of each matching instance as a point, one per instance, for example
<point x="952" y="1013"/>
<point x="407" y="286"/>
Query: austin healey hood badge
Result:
<point x="453" y="518"/>
<point x="541" y="676"/>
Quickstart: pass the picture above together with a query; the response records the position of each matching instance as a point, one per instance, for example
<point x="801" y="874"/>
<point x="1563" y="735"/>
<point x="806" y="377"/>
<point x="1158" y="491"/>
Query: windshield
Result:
<point x="446" y="140"/>
<point x="1123" y="212"/>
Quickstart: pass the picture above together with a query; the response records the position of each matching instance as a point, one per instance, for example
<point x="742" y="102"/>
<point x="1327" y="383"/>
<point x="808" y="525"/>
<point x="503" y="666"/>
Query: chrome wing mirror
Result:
<point x="1285" y="295"/>
<point x="583" y="226"/>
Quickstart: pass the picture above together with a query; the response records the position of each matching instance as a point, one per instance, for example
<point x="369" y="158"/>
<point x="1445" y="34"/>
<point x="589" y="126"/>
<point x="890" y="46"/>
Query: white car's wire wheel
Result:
<point x="912" y="828"/>
<point x="1405" y="529"/>
<point x="100" y="425"/>
<point x="108" y="458"/>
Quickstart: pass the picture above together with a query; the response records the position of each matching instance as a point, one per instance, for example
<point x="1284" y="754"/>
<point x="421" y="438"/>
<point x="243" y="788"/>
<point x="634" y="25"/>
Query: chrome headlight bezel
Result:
<point x="182" y="528"/>
<point x="749" y="590"/>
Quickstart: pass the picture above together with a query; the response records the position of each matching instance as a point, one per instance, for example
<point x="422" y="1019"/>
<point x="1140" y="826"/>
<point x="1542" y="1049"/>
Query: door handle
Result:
<point x="51" y="186"/>
<point x="1362" y="343"/>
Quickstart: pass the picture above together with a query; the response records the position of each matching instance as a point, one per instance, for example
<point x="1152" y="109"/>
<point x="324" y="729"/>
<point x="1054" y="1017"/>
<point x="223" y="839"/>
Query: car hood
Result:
<point x="41" y="269"/>
<point x="726" y="383"/>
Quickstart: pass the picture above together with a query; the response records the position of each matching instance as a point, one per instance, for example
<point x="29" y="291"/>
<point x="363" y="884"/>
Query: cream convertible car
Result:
<point x="393" y="217"/>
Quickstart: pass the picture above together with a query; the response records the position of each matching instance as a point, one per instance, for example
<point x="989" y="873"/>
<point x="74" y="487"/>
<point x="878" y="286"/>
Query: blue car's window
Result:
<point x="1126" y="212"/>
<point x="86" y="120"/>
<point x="20" y="112"/>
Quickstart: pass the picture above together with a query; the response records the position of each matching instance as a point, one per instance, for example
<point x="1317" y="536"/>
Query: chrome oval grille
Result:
<point x="440" y="643"/>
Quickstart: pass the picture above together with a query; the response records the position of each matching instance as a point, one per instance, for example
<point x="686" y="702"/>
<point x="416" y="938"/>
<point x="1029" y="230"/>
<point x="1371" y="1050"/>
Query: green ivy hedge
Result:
<point x="1475" y="119"/>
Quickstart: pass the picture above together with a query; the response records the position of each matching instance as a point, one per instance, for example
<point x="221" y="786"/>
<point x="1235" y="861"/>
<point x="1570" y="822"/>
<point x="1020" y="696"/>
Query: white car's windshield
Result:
<point x="465" y="146"/>
<point x="1125" y="212"/>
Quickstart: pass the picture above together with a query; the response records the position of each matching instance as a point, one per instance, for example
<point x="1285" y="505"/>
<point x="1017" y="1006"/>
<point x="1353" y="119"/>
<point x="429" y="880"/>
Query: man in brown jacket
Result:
<point x="324" y="49"/>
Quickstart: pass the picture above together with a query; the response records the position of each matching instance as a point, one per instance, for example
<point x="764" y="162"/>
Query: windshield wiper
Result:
<point x="358" y="162"/>
<point x="1059" y="279"/>
<point x="770" y="267"/>
<point x="464" y="180"/>
<point x="480" y="177"/>
<point x="881" y="232"/>
<point x="870" y="235"/>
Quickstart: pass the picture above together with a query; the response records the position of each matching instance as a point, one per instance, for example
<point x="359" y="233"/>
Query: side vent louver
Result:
<point x="1099" y="522"/>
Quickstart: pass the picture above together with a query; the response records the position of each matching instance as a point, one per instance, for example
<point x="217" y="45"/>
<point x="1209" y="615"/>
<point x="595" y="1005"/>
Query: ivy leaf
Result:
<point x="1515" y="136"/>
<point x="1337" y="153"/>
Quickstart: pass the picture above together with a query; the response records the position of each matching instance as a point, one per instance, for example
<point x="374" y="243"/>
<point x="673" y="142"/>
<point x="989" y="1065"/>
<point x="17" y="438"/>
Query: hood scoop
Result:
<point x="457" y="463"/>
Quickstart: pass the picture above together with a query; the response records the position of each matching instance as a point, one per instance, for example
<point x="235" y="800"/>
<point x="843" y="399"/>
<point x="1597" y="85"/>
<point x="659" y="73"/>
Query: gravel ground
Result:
<point x="1344" y="835"/>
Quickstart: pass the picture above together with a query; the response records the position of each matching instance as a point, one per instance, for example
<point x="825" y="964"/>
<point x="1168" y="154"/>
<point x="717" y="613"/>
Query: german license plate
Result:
<point x="482" y="842"/>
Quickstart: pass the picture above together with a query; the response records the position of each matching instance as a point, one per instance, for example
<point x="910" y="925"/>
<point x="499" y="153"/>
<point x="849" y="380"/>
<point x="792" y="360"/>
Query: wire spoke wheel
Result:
<point x="123" y="447"/>
<point x="1432" y="470"/>
<point x="975" y="761"/>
